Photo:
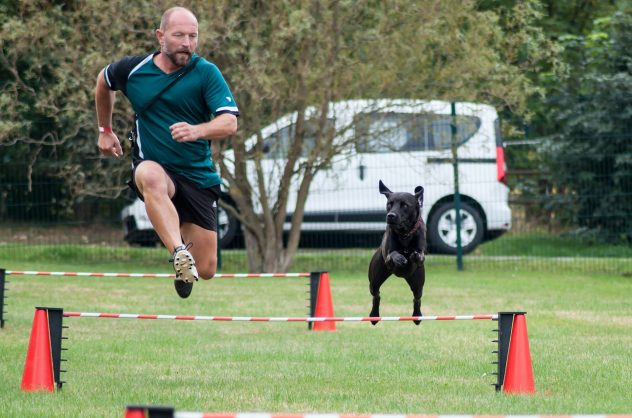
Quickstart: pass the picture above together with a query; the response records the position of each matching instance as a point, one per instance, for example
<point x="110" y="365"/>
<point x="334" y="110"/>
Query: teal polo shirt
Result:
<point x="196" y="98"/>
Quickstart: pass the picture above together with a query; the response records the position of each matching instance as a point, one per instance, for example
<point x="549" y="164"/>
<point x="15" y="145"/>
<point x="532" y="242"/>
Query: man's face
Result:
<point x="179" y="39"/>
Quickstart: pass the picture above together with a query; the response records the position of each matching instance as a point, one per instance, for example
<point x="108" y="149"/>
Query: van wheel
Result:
<point x="442" y="229"/>
<point x="227" y="227"/>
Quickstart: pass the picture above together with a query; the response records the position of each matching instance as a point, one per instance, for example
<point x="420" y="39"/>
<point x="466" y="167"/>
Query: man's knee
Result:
<point x="207" y="271"/>
<point x="151" y="178"/>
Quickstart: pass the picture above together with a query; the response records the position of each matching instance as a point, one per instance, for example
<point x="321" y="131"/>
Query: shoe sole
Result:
<point x="183" y="289"/>
<point x="185" y="268"/>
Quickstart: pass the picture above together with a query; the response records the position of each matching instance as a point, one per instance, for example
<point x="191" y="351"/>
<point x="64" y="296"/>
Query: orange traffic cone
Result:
<point x="519" y="372"/>
<point x="324" y="305"/>
<point x="38" y="368"/>
<point x="135" y="412"/>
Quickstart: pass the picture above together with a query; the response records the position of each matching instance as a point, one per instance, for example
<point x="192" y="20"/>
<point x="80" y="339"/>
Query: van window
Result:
<point x="392" y="132"/>
<point x="277" y="145"/>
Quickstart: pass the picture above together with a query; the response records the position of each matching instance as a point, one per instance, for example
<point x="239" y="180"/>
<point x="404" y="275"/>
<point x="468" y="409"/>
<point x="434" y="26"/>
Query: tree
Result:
<point x="300" y="56"/>
<point x="279" y="56"/>
<point x="591" y="155"/>
<point x="50" y="55"/>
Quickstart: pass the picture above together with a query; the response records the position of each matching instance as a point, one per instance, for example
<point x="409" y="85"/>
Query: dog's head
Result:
<point x="402" y="209"/>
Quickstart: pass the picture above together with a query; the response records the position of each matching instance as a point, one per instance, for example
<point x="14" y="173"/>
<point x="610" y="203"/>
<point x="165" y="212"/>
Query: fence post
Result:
<point x="457" y="193"/>
<point x="2" y="289"/>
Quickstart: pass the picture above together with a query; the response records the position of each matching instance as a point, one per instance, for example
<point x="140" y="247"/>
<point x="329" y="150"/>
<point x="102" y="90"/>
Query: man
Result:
<point x="172" y="168"/>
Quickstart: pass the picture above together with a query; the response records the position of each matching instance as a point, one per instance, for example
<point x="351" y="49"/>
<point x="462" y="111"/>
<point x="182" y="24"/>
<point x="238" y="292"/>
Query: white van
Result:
<point x="404" y="143"/>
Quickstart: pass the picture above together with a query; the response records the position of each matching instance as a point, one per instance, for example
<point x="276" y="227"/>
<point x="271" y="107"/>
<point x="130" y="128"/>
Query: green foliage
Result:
<point x="46" y="97"/>
<point x="293" y="55"/>
<point x="591" y="156"/>
<point x="278" y="56"/>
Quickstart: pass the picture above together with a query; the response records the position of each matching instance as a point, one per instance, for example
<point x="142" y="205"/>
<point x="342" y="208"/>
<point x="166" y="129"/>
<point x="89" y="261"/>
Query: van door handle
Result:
<point x="361" y="171"/>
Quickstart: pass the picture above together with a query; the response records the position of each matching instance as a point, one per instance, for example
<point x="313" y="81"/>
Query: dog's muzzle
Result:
<point x="391" y="218"/>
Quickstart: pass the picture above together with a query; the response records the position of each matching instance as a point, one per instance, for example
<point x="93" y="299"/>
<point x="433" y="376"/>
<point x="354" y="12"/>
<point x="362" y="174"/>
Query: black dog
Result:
<point x="403" y="248"/>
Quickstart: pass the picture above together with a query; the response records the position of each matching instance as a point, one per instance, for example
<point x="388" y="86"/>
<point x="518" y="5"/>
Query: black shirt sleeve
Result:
<point x="117" y="73"/>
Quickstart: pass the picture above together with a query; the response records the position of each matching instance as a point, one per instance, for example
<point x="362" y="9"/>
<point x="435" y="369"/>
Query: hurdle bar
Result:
<point x="138" y="411"/>
<point x="314" y="281"/>
<point x="56" y="316"/>
<point x="279" y="319"/>
<point x="152" y="275"/>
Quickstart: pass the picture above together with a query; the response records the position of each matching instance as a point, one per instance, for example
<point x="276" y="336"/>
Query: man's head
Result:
<point x="178" y="35"/>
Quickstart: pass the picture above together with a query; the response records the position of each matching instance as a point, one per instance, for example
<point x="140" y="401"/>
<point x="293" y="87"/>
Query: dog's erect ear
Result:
<point x="419" y="194"/>
<point x="384" y="190"/>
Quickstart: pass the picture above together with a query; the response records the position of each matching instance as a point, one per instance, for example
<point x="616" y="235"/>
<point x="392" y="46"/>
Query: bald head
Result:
<point x="178" y="38"/>
<point x="175" y="13"/>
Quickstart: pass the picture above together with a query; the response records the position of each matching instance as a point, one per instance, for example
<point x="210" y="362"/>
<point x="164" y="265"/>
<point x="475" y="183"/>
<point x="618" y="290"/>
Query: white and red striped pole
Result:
<point x="55" y="330"/>
<point x="288" y="415"/>
<point x="169" y="275"/>
<point x="279" y="319"/>
<point x="155" y="412"/>
<point x="4" y="273"/>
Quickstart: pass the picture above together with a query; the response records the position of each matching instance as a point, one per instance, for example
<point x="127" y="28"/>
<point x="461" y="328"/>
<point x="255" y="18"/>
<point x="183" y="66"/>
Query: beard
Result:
<point x="180" y="58"/>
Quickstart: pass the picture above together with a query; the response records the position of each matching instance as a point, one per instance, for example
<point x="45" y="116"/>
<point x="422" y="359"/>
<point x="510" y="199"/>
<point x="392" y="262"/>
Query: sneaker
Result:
<point x="186" y="273"/>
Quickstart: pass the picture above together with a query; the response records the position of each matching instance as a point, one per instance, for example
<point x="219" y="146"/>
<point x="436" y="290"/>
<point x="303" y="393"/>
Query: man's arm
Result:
<point x="108" y="142"/>
<point x="220" y="127"/>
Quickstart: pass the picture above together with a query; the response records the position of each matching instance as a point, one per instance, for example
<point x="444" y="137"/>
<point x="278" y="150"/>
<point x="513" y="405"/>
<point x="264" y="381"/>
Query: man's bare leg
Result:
<point x="203" y="248"/>
<point x="157" y="189"/>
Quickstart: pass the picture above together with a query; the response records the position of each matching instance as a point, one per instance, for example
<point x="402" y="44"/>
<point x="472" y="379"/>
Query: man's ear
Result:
<point x="160" y="36"/>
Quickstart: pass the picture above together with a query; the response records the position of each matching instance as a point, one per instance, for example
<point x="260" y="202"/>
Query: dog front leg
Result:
<point x="374" y="288"/>
<point x="375" y="309"/>
<point x="377" y="276"/>
<point x="416" y="283"/>
<point x="417" y="309"/>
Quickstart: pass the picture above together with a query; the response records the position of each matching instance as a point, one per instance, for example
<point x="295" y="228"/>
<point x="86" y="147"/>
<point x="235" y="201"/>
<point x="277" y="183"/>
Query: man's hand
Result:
<point x="109" y="145"/>
<point x="183" y="132"/>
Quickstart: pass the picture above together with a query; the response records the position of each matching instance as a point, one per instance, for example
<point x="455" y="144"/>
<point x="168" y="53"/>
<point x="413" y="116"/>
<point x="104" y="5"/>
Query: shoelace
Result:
<point x="179" y="248"/>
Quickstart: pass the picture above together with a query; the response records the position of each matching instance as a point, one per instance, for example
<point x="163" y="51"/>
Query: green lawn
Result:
<point x="579" y="325"/>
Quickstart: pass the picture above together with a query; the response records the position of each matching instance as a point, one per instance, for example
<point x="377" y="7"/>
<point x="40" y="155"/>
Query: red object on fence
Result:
<point x="519" y="372"/>
<point x="38" y="367"/>
<point x="324" y="305"/>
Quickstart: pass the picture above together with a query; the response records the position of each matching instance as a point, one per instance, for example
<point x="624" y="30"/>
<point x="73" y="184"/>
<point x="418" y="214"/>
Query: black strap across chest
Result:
<point x="167" y="87"/>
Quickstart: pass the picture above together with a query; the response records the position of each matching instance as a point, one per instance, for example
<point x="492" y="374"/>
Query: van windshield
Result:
<point x="383" y="132"/>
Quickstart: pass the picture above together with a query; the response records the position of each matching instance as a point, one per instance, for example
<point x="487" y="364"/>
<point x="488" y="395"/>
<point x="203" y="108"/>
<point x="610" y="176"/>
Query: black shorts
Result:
<point x="194" y="205"/>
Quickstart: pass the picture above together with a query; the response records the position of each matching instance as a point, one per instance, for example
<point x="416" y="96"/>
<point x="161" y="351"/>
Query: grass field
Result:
<point x="579" y="324"/>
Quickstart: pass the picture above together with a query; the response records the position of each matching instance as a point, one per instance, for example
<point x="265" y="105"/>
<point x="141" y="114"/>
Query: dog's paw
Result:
<point x="417" y="312"/>
<point x="374" y="314"/>
<point x="417" y="322"/>
<point x="399" y="260"/>
<point x="417" y="258"/>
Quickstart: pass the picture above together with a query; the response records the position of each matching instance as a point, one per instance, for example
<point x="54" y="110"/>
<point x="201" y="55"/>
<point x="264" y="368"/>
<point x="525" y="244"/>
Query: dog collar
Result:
<point x="415" y="228"/>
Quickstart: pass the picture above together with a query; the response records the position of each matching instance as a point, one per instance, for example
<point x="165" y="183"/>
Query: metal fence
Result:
<point x="38" y="219"/>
